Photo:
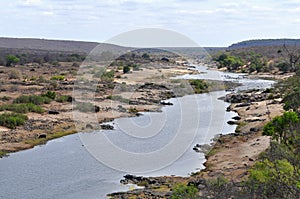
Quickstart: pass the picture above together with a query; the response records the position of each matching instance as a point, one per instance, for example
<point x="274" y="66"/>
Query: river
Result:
<point x="64" y="168"/>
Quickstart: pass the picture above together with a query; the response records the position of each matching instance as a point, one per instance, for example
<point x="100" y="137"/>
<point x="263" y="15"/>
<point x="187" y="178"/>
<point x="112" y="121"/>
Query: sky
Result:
<point x="207" y="22"/>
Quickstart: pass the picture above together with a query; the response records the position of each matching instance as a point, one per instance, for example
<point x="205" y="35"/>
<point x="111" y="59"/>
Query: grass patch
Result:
<point x="22" y="108"/>
<point x="238" y="128"/>
<point x="58" y="78"/>
<point x="212" y="152"/>
<point x="55" y="135"/>
<point x="3" y="153"/>
<point x="86" y="107"/>
<point x="12" y="120"/>
<point x="64" y="98"/>
<point x="118" y="98"/>
<point x="34" y="99"/>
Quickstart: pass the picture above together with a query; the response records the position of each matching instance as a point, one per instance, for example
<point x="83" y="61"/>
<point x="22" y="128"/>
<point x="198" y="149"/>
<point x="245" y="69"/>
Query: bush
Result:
<point x="198" y="85"/>
<point x="180" y="191"/>
<point x="11" y="59"/>
<point x="87" y="107"/>
<point x="12" y="120"/>
<point x="58" y="78"/>
<point x="118" y="98"/>
<point x="49" y="94"/>
<point x="64" y="98"/>
<point x="22" y="108"/>
<point x="126" y="69"/>
<point x="34" y="99"/>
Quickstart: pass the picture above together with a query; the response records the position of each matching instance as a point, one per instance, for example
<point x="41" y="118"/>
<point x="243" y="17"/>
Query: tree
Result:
<point x="11" y="59"/>
<point x="281" y="127"/>
<point x="126" y="69"/>
<point x="292" y="53"/>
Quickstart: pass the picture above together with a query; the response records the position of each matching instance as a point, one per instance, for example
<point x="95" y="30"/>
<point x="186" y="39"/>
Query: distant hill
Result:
<point x="265" y="43"/>
<point x="53" y="45"/>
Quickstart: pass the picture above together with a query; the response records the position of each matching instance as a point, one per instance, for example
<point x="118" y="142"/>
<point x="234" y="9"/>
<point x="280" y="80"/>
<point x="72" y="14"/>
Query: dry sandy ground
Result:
<point x="233" y="155"/>
<point x="17" y="139"/>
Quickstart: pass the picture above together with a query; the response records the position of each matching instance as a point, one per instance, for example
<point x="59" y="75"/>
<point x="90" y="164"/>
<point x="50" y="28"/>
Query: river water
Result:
<point x="64" y="168"/>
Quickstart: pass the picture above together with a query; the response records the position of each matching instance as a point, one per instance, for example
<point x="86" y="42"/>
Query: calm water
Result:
<point x="63" y="168"/>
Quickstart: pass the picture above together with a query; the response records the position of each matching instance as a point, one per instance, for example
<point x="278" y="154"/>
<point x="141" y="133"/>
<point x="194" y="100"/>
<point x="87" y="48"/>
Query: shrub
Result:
<point x="11" y="59"/>
<point x="34" y="99"/>
<point x="126" y="69"/>
<point x="198" y="85"/>
<point x="22" y="108"/>
<point x="58" y="77"/>
<point x="180" y="191"/>
<point x="5" y="98"/>
<point x="49" y="94"/>
<point x="87" y="107"/>
<point x="118" y="98"/>
<point x="64" y="98"/>
<point x="12" y="120"/>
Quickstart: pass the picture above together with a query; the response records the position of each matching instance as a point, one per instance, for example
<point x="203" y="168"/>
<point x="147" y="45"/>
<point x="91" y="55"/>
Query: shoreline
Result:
<point x="245" y="144"/>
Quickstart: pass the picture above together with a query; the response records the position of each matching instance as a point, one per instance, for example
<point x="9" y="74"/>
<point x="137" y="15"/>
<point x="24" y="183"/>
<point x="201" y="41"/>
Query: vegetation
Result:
<point x="11" y="60"/>
<point x="229" y="61"/>
<point x="118" y="98"/>
<point x="34" y="99"/>
<point x="22" y="108"/>
<point x="58" y="78"/>
<point x="126" y="69"/>
<point x="49" y="94"/>
<point x="86" y="107"/>
<point x="180" y="191"/>
<point x="198" y="85"/>
<point x="12" y="120"/>
<point x="64" y="98"/>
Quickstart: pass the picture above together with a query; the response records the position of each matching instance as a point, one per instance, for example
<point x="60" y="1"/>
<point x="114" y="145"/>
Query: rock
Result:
<point x="89" y="126"/>
<point x="237" y="118"/>
<point x="42" y="135"/>
<point x="166" y="103"/>
<point x="107" y="127"/>
<point x="52" y="112"/>
<point x="231" y="122"/>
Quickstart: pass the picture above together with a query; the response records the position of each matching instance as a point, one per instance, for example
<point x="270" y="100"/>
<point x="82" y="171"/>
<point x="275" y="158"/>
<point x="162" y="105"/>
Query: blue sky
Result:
<point x="208" y="22"/>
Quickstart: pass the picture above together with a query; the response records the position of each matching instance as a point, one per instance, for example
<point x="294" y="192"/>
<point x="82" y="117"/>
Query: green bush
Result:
<point x="58" y="77"/>
<point x="180" y="191"/>
<point x="34" y="99"/>
<point x="12" y="120"/>
<point x="22" y="108"/>
<point x="64" y="98"/>
<point x="126" y="69"/>
<point x="279" y="127"/>
<point x="49" y="94"/>
<point x="198" y="85"/>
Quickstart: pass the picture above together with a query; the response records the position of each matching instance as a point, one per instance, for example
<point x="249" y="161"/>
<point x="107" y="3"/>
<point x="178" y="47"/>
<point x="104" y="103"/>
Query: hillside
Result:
<point x="265" y="42"/>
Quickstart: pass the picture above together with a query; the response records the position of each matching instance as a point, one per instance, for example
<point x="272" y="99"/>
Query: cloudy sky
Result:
<point x="208" y="22"/>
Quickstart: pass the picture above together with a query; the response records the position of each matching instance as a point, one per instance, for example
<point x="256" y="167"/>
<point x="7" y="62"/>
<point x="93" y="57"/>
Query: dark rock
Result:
<point x="52" y="112"/>
<point x="107" y="127"/>
<point x="237" y="118"/>
<point x="166" y="103"/>
<point x="89" y="126"/>
<point x="42" y="136"/>
<point x="231" y="122"/>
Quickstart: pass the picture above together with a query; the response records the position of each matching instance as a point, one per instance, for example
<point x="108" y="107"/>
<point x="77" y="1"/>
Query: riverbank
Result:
<point x="231" y="155"/>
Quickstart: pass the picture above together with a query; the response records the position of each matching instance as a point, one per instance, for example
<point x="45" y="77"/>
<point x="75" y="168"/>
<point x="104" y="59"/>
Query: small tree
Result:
<point x="126" y="69"/>
<point x="11" y="59"/>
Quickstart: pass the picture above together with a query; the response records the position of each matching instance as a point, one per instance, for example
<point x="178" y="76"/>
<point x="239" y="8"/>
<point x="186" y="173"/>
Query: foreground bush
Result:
<point x="12" y="120"/>
<point x="22" y="108"/>
<point x="34" y="99"/>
